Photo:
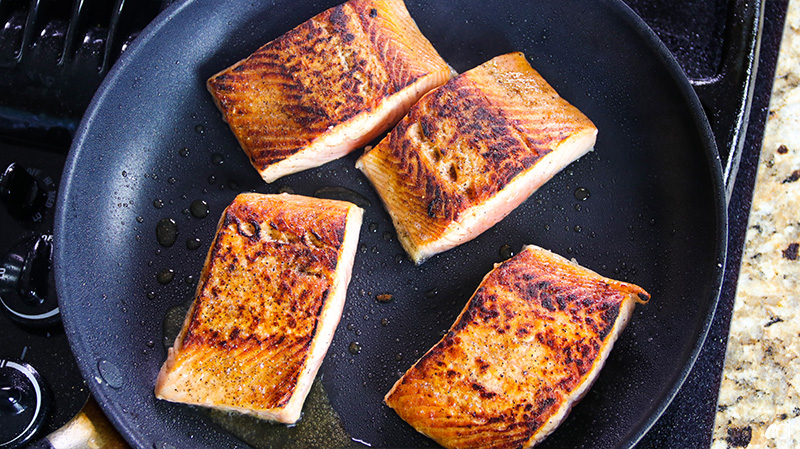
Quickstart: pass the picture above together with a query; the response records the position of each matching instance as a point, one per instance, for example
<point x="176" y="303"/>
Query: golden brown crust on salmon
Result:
<point x="328" y="86"/>
<point x="470" y="151"/>
<point x="526" y="347"/>
<point x="267" y="303"/>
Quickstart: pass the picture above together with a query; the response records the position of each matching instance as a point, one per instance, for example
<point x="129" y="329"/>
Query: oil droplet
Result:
<point x="577" y="228"/>
<point x="384" y="297"/>
<point x="581" y="193"/>
<point x="233" y="185"/>
<point x="124" y="174"/>
<point x="506" y="252"/>
<point x="189" y="280"/>
<point x="165" y="276"/>
<point x="109" y="373"/>
<point x="373" y="227"/>
<point x="217" y="159"/>
<point x="285" y="189"/>
<point x="151" y="295"/>
<point x="354" y="348"/>
<point x="166" y="232"/>
<point x="183" y="152"/>
<point x="199" y="209"/>
<point x="158" y="204"/>
<point x="200" y="129"/>
<point x="384" y="322"/>
<point x="212" y="179"/>
<point x="140" y="219"/>
<point x="344" y="194"/>
<point x="398" y="356"/>
<point x="172" y="180"/>
<point x="193" y="243"/>
<point x="431" y="293"/>
<point x="388" y="236"/>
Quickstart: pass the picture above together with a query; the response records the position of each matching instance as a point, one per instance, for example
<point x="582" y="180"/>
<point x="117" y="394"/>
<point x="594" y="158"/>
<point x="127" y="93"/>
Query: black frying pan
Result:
<point x="654" y="216"/>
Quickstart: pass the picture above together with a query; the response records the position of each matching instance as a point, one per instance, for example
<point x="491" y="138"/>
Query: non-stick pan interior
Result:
<point x="644" y="207"/>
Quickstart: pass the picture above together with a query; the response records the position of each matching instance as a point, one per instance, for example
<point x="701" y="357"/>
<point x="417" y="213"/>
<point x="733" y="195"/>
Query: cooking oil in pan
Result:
<point x="319" y="427"/>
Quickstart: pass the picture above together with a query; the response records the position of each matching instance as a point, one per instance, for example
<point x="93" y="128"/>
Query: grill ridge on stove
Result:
<point x="53" y="56"/>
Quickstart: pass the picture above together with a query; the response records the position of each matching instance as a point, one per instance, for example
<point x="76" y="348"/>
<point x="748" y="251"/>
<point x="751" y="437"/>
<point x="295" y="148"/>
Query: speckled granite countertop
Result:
<point x="759" y="400"/>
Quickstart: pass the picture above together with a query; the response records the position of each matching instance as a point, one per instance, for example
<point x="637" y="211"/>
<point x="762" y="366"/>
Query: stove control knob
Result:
<point x="27" y="285"/>
<point x="24" y="403"/>
<point x="25" y="194"/>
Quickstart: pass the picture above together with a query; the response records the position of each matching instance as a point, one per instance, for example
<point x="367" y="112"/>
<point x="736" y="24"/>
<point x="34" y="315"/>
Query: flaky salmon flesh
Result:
<point x="526" y="347"/>
<point x="267" y="304"/>
<point x="328" y="86"/>
<point x="471" y="151"/>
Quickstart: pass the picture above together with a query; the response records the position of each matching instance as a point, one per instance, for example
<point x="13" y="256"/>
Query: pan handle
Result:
<point x="89" y="428"/>
<point x="735" y="79"/>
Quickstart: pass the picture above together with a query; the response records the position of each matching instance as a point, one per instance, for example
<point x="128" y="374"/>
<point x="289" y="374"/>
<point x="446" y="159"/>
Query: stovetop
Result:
<point x="53" y="55"/>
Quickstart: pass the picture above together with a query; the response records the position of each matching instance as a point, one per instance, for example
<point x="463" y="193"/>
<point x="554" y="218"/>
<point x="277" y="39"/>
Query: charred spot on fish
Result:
<point x="547" y="338"/>
<point x="433" y="206"/>
<point x="453" y="173"/>
<point x="338" y="18"/>
<point x="221" y="86"/>
<point x="482" y="391"/>
<point x="562" y="301"/>
<point x="426" y="127"/>
<point x="306" y="115"/>
<point x="315" y="239"/>
<point x="532" y="291"/>
<point x="610" y="315"/>
<point x="481" y="304"/>
<point x="249" y="229"/>
<point x="547" y="303"/>
<point x="234" y="334"/>
<point x="373" y="13"/>
<point x="482" y="365"/>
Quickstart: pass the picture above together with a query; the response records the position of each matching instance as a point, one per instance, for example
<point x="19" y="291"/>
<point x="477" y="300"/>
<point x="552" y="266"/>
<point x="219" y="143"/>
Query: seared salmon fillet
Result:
<point x="471" y="151"/>
<point x="526" y="347"/>
<point x="328" y="86"/>
<point x="267" y="304"/>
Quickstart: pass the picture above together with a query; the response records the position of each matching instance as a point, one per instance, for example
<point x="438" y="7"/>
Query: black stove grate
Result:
<point x="54" y="55"/>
